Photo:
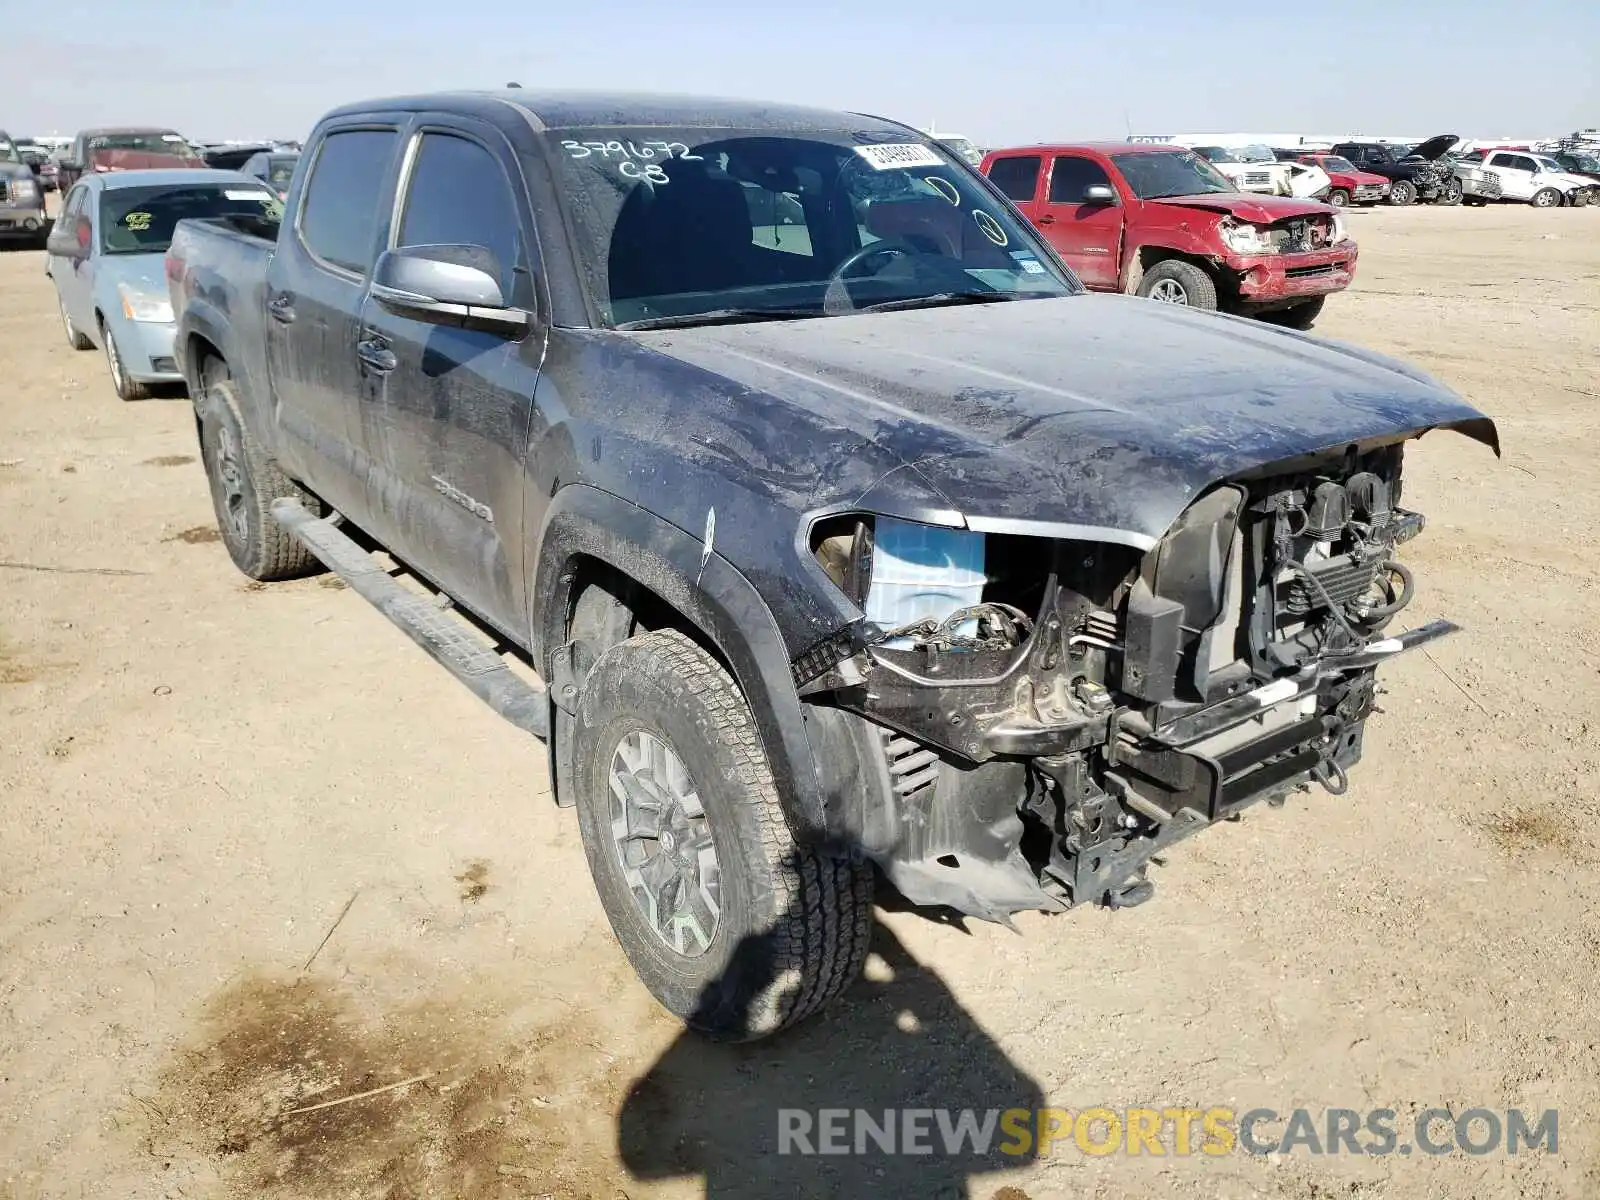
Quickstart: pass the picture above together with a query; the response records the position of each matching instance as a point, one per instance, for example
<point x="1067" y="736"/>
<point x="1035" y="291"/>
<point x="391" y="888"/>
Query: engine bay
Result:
<point x="1073" y="707"/>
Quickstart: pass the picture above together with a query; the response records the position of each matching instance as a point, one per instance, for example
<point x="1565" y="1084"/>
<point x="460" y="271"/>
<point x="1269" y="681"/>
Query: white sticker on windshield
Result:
<point x="1031" y="265"/>
<point x="246" y="194"/>
<point x="900" y="154"/>
<point x="172" y="137"/>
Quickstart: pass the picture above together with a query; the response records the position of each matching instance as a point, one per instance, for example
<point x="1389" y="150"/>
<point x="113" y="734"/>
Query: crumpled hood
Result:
<point x="1251" y="206"/>
<point x="1435" y="147"/>
<point x="1090" y="416"/>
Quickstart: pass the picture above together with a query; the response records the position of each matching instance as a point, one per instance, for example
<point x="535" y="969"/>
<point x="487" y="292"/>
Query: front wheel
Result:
<point x="1339" y="198"/>
<point x="1452" y="193"/>
<point x="1402" y="193"/>
<point x="1299" y="316"/>
<point x="1547" y="198"/>
<point x="732" y="925"/>
<point x="1174" y="281"/>
<point x="127" y="387"/>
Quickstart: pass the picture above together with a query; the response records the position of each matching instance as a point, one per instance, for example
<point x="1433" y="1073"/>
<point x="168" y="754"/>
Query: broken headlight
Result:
<point x="1244" y="238"/>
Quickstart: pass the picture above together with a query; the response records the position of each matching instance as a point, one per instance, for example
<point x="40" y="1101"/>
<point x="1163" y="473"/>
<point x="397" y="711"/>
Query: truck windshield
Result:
<point x="1158" y="174"/>
<point x="673" y="225"/>
<point x="1332" y="162"/>
<point x="145" y="142"/>
<point x="140" y="220"/>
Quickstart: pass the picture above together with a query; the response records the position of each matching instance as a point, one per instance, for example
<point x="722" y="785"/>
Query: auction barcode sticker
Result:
<point x="900" y="154"/>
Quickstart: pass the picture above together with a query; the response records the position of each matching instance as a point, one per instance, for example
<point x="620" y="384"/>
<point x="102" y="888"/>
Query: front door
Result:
<point x="71" y="245"/>
<point x="450" y="430"/>
<point x="1088" y="235"/>
<point x="315" y="287"/>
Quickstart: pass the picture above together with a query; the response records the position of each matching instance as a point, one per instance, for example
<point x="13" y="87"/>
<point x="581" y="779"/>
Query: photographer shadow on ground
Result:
<point x="741" y="1116"/>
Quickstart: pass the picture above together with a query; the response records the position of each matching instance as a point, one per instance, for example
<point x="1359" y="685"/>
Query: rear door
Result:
<point x="450" y="426"/>
<point x="1019" y="177"/>
<point x="1088" y="236"/>
<point x="315" y="287"/>
<point x="1515" y="172"/>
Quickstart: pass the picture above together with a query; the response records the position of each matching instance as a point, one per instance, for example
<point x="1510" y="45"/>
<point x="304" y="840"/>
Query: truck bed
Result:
<point x="217" y="272"/>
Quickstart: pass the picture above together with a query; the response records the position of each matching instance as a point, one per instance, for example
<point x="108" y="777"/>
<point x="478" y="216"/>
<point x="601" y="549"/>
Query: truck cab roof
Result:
<point x="562" y="109"/>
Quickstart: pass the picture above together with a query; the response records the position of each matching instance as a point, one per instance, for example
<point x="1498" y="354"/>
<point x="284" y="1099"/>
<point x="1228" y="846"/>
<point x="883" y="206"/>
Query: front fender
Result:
<point x="709" y="592"/>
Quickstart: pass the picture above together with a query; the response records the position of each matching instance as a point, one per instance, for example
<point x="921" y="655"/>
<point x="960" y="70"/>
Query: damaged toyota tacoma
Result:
<point x="765" y="463"/>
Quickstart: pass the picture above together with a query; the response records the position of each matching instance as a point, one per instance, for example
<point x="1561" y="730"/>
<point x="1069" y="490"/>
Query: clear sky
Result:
<point x="997" y="72"/>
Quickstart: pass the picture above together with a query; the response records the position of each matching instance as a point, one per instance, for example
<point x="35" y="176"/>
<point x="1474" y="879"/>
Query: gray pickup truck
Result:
<point x="764" y="462"/>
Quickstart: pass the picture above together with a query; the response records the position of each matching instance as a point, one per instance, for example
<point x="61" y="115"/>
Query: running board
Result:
<point x="479" y="667"/>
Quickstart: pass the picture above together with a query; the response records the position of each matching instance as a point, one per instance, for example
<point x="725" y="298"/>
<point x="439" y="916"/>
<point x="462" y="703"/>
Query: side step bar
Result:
<point x="479" y="667"/>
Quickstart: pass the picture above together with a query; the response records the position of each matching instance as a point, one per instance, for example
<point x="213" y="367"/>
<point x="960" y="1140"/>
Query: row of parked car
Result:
<point x="1437" y="171"/>
<point x="28" y="171"/>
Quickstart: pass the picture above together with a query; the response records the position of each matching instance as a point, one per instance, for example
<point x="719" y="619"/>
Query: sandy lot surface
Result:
<point x="200" y="775"/>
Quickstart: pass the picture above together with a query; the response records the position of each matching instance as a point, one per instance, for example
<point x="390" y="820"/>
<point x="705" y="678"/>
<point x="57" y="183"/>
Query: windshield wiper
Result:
<point x="939" y="299"/>
<point x="719" y="316"/>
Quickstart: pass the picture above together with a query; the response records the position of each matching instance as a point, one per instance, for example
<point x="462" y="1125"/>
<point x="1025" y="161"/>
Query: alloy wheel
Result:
<point x="1169" y="291"/>
<point x="663" y="844"/>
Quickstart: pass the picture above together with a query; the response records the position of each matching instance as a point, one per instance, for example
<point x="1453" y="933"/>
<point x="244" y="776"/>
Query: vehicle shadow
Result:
<point x="898" y="1040"/>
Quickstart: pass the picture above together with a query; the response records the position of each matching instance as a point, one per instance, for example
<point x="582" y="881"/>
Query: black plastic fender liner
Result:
<point x="708" y="592"/>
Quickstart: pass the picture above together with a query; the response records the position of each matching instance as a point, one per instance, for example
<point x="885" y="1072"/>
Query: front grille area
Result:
<point x="1301" y="234"/>
<point x="1256" y="179"/>
<point x="5" y="191"/>
<point x="1369" y="191"/>
<point x="1307" y="272"/>
<point x="1342" y="577"/>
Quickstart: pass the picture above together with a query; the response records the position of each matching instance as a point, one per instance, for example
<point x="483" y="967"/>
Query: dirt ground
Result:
<point x="201" y="776"/>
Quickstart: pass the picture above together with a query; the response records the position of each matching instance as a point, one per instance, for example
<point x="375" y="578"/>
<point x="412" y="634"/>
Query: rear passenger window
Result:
<point x="1069" y="178"/>
<point x="340" y="213"/>
<point x="1018" y="177"/>
<point x="459" y="196"/>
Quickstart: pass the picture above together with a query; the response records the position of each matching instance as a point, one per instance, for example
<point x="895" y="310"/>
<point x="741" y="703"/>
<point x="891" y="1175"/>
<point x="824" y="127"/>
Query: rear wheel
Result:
<point x="1339" y="198"/>
<point x="1452" y="193"/>
<point x="244" y="483"/>
<point x="127" y="387"/>
<point x="1173" y="281"/>
<point x="1402" y="193"/>
<point x="1547" y="198"/>
<point x="731" y="924"/>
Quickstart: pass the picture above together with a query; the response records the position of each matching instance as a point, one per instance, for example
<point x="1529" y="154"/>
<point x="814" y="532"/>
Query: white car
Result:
<point x="1535" y="178"/>
<point x="1257" y="169"/>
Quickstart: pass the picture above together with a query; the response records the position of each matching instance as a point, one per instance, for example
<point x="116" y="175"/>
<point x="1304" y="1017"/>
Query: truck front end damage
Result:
<point x="1033" y="745"/>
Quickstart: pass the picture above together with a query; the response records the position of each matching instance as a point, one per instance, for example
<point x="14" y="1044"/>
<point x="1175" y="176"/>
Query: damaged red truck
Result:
<point x="1161" y="222"/>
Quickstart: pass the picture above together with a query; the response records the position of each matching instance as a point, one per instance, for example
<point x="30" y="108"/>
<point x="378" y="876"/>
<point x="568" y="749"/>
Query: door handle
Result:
<point x="281" y="308"/>
<point x="1047" y="219"/>
<point x="376" y="356"/>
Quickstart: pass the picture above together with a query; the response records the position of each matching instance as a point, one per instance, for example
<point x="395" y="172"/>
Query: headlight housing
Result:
<point x="1340" y="233"/>
<point x="151" y="307"/>
<point x="1244" y="238"/>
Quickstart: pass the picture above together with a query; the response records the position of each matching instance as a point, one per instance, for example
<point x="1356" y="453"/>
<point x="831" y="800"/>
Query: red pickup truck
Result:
<point x="1351" y="185"/>
<point x="1160" y="221"/>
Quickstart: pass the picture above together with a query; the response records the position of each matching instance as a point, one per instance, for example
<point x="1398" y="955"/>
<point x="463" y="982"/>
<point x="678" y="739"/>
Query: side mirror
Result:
<point x="446" y="285"/>
<point x="1099" y="193"/>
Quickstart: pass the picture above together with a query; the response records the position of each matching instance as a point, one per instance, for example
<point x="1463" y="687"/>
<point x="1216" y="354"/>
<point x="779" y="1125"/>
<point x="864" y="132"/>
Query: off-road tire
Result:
<point x="1339" y="198"/>
<point x="1546" y="198"/>
<point x="1402" y="192"/>
<point x="795" y="923"/>
<point x="1199" y="289"/>
<point x="1452" y="194"/>
<point x="258" y="545"/>
<point x="1299" y="316"/>
<point x="76" y="339"/>
<point x="127" y="387"/>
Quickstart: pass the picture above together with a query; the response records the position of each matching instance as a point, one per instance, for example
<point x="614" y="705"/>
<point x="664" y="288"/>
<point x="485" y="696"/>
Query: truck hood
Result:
<point x="10" y="170"/>
<point x="1435" y="147"/>
<point x="1356" y="178"/>
<point x="138" y="160"/>
<point x="1250" y="206"/>
<point x="1095" y="417"/>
